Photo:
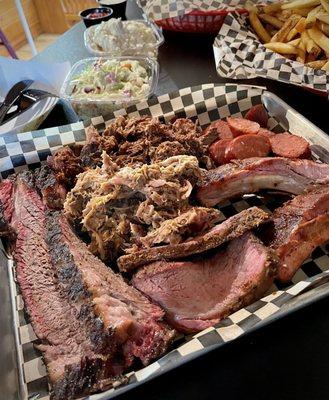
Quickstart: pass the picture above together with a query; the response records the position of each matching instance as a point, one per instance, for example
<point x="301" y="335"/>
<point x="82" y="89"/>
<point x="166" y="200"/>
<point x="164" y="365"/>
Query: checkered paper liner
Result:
<point x="206" y="103"/>
<point x="240" y="55"/>
<point x="164" y="9"/>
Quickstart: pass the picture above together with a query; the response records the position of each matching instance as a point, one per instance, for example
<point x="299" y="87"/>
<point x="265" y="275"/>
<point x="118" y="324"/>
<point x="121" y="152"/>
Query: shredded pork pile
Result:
<point x="131" y="141"/>
<point x="125" y="209"/>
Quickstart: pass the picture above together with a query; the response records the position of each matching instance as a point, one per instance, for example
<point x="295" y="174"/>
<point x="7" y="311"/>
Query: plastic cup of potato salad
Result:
<point x="98" y="86"/>
<point x="122" y="38"/>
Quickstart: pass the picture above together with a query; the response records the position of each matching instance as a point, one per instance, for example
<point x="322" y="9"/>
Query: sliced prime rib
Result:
<point x="198" y="294"/>
<point x="90" y="323"/>
<point x="298" y="227"/>
<point x="231" y="228"/>
<point x="254" y="174"/>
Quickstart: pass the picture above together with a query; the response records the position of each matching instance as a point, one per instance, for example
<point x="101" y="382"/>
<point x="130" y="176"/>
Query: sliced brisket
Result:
<point x="231" y="228"/>
<point x="91" y="324"/>
<point x="200" y="293"/>
<point x="299" y="226"/>
<point x="6" y="205"/>
<point x="252" y="175"/>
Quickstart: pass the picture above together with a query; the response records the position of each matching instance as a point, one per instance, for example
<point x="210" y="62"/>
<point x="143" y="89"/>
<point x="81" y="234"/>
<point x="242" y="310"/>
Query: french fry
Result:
<point x="281" y="35"/>
<point x="259" y="28"/>
<point x="323" y="17"/>
<point x="272" y="8"/>
<point x="325" y="67"/>
<point x="296" y="29"/>
<point x="319" y="38"/>
<point x="323" y="27"/>
<point x="282" y="48"/>
<point x="301" y="25"/>
<point x="325" y="5"/>
<point x="316" y="64"/>
<point x="251" y="7"/>
<point x="302" y="11"/>
<point x="271" y="20"/>
<point x="311" y="17"/>
<point x="301" y="56"/>
<point x="285" y="14"/>
<point x="300" y="4"/>
<point x="295" y="42"/>
<point x="291" y="34"/>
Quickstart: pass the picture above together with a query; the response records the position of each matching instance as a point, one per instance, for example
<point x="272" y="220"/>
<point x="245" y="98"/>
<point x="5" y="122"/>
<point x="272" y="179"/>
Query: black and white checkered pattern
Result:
<point x="206" y="103"/>
<point x="164" y="9"/>
<point x="240" y="55"/>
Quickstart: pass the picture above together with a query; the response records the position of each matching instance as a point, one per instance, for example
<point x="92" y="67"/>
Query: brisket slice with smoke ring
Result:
<point x="298" y="227"/>
<point x="198" y="294"/>
<point x="65" y="291"/>
<point x="254" y="174"/>
<point x="6" y="205"/>
<point x="233" y="227"/>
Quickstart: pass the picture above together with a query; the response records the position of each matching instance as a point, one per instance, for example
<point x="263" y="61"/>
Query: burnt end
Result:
<point x="66" y="165"/>
<point x="91" y="155"/>
<point x="53" y="193"/>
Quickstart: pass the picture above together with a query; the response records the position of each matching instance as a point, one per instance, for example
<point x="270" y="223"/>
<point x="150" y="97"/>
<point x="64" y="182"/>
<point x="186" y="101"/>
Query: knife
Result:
<point x="12" y="96"/>
<point x="26" y="100"/>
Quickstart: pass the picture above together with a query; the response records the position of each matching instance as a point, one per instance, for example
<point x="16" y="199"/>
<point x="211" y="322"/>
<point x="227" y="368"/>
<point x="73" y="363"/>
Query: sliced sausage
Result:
<point x="217" y="151"/>
<point x="265" y="132"/>
<point x="258" y="114"/>
<point x="290" y="146"/>
<point x="223" y="129"/>
<point x="242" y="126"/>
<point x="247" y="146"/>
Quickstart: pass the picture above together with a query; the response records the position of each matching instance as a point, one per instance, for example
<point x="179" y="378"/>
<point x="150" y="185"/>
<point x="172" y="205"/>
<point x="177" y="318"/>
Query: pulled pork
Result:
<point x="131" y="142"/>
<point x="120" y="207"/>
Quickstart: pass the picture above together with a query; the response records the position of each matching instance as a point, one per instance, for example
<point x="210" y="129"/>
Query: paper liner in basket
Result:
<point x="207" y="103"/>
<point x="163" y="9"/>
<point x="240" y="55"/>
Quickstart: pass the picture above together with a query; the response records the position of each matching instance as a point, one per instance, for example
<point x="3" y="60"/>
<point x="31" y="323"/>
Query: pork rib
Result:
<point x="91" y="324"/>
<point x="231" y="228"/>
<point x="299" y="226"/>
<point x="199" y="294"/>
<point x="254" y="174"/>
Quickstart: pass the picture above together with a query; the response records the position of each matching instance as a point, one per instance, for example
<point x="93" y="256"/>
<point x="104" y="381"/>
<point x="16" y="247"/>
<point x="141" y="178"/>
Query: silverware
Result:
<point x="13" y="94"/>
<point x="26" y="100"/>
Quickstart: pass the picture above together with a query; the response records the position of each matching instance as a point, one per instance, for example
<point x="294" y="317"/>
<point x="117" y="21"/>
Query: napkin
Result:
<point x="48" y="77"/>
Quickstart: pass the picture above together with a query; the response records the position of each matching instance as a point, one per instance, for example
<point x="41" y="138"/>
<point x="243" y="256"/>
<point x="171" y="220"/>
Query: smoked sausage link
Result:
<point x="258" y="114"/>
<point x="241" y="126"/>
<point x="247" y="146"/>
<point x="265" y="132"/>
<point x="217" y="151"/>
<point x="290" y="146"/>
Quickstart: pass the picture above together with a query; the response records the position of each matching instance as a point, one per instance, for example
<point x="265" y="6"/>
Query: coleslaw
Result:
<point x="113" y="79"/>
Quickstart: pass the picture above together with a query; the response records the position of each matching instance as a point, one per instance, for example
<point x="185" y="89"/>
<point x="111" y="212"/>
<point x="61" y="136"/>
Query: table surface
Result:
<point x="285" y="360"/>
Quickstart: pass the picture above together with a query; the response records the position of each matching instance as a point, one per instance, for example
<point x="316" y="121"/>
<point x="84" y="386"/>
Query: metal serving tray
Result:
<point x="22" y="373"/>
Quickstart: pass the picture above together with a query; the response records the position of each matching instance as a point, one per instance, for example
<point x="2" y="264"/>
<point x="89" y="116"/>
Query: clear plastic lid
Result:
<point x="141" y="50"/>
<point x="151" y="66"/>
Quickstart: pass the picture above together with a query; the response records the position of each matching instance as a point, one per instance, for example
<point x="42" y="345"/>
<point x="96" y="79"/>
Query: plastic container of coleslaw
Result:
<point x="98" y="86"/>
<point x="117" y="42"/>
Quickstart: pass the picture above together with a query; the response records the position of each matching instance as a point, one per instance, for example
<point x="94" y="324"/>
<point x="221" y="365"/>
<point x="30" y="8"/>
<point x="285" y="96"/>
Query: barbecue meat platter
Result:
<point x="120" y="245"/>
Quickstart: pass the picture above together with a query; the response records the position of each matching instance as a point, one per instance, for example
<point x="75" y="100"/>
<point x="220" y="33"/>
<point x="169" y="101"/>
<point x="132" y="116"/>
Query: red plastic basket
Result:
<point x="197" y="21"/>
